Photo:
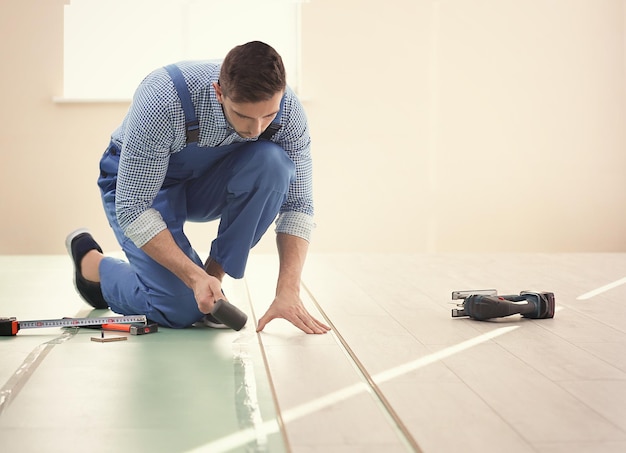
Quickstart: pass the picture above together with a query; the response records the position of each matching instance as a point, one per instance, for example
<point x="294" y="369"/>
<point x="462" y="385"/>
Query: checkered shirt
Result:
<point x="154" y="128"/>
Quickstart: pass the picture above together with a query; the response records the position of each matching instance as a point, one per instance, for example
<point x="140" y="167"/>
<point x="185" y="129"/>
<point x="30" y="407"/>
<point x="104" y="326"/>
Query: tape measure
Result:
<point x="10" y="326"/>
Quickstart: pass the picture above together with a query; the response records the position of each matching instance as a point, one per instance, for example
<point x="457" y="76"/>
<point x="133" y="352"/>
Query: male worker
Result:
<point x="203" y="141"/>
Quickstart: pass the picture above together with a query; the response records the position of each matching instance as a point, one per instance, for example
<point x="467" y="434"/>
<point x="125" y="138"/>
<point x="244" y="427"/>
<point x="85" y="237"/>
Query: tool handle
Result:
<point x="9" y="327"/>
<point x="228" y="314"/>
<point x="118" y="327"/>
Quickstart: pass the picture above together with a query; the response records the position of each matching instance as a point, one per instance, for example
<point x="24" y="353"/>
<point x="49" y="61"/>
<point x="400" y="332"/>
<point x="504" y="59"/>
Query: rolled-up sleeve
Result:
<point x="296" y="214"/>
<point x="146" y="144"/>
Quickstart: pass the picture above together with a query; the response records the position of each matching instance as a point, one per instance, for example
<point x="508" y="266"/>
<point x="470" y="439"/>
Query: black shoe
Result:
<point x="78" y="244"/>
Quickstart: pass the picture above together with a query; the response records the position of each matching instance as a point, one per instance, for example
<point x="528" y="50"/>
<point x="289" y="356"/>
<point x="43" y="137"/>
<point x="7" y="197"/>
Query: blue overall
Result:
<point x="242" y="184"/>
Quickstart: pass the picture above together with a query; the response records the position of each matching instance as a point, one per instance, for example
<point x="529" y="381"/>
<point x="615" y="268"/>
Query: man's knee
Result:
<point x="267" y="166"/>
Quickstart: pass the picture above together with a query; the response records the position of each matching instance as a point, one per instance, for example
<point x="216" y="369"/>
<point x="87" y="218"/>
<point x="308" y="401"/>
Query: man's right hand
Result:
<point x="206" y="288"/>
<point x="207" y="291"/>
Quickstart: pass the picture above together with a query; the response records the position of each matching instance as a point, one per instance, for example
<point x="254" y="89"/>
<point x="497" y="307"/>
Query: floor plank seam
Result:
<point x="12" y="387"/>
<point x="391" y="412"/>
<point x="279" y="418"/>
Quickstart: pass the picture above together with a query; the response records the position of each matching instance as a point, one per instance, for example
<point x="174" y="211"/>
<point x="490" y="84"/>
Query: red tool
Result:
<point x="132" y="329"/>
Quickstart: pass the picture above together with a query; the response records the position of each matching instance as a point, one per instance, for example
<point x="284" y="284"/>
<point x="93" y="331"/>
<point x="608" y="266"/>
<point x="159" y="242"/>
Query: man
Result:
<point x="203" y="141"/>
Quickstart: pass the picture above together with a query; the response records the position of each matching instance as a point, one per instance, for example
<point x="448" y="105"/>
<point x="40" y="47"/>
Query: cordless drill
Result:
<point x="486" y="304"/>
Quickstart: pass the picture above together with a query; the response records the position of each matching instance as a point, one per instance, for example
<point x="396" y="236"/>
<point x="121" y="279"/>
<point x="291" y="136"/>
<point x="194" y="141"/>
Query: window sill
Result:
<point x="64" y="100"/>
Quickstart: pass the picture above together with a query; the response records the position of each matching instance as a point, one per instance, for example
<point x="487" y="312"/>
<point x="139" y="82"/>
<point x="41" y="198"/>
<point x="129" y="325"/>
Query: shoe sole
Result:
<point x="206" y="321"/>
<point x="212" y="325"/>
<point x="70" y="237"/>
<point x="68" y="245"/>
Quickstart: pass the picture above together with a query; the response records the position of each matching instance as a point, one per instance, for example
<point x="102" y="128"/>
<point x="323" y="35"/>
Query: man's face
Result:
<point x="249" y="119"/>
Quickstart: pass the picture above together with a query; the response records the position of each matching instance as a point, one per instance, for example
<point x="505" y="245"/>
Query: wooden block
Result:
<point x="108" y="339"/>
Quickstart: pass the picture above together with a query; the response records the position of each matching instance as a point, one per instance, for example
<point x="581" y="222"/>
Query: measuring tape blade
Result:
<point x="77" y="322"/>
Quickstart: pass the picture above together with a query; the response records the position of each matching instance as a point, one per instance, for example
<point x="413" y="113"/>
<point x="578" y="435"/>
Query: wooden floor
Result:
<point x="397" y="374"/>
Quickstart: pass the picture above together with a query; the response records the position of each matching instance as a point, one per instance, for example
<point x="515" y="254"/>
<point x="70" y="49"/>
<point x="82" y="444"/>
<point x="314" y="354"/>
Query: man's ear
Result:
<point x="218" y="92"/>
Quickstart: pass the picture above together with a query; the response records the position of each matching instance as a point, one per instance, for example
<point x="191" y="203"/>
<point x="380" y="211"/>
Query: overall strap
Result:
<point x="192" y="126"/>
<point x="274" y="126"/>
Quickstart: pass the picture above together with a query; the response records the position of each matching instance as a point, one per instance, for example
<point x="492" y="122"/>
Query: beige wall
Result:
<point x="467" y="125"/>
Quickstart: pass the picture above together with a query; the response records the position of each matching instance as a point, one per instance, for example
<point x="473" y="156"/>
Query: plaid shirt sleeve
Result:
<point x="296" y="214"/>
<point x="146" y="142"/>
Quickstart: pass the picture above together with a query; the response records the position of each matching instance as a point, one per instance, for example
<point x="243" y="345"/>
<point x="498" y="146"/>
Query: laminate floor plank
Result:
<point x="396" y="371"/>
<point x="534" y="385"/>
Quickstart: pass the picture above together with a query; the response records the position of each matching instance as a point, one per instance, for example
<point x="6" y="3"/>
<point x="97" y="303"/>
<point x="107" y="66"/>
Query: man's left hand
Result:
<point x="292" y="309"/>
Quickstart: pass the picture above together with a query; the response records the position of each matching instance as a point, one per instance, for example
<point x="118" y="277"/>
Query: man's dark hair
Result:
<point x="252" y="72"/>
